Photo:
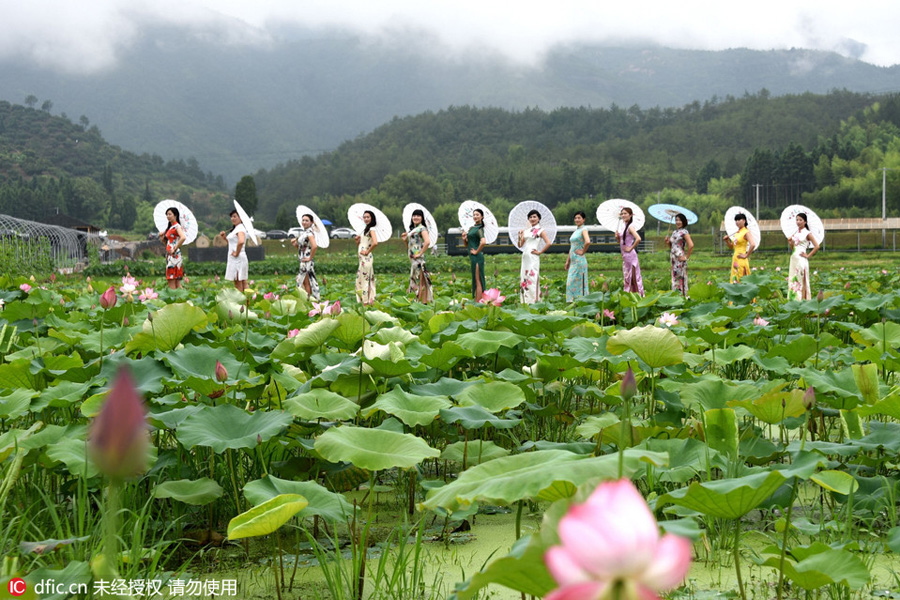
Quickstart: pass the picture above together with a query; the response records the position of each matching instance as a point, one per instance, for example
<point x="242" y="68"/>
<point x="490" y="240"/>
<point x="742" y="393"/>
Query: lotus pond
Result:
<point x="410" y="451"/>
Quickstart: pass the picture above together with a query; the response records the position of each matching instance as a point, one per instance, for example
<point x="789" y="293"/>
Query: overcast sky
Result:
<point x="85" y="37"/>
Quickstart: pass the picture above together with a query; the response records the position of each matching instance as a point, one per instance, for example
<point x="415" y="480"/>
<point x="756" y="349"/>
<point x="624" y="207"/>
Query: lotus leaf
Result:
<point x="169" y="327"/>
<point x="326" y="504"/>
<point x="522" y="570"/>
<point x="493" y="396"/>
<point x="226" y="426"/>
<point x="267" y="517"/>
<point x="373" y="449"/>
<point x="476" y="417"/>
<point x="476" y="452"/>
<point x="656" y="346"/>
<point x="410" y="408"/>
<point x="320" y="403"/>
<point x="773" y="407"/>
<point x="838" y="482"/>
<point x="196" y="492"/>
<point x="825" y="567"/>
<point x="726" y="498"/>
<point x="485" y="343"/>
<point x="523" y="476"/>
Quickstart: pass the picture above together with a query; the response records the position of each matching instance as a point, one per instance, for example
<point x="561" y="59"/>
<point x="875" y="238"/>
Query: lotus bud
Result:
<point x="230" y="315"/>
<point x="108" y="298"/>
<point x="34" y="322"/>
<point x="628" y="387"/>
<point x="241" y="309"/>
<point x="604" y="287"/>
<point x="150" y="316"/>
<point x="258" y="439"/>
<point x="820" y="296"/>
<point x="809" y="398"/>
<point x="125" y="322"/>
<point x="119" y="437"/>
<point x="221" y="372"/>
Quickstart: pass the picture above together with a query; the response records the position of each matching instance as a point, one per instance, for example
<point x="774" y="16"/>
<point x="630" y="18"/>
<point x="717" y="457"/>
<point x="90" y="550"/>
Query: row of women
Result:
<point x="532" y="240"/>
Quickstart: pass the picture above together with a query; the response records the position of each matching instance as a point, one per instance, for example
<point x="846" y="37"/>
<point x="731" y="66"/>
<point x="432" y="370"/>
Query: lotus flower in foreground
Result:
<point x="492" y="296"/>
<point x="119" y="436"/>
<point x="611" y="549"/>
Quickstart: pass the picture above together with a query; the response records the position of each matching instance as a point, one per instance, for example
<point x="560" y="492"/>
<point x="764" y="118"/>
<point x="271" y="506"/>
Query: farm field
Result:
<point x="413" y="451"/>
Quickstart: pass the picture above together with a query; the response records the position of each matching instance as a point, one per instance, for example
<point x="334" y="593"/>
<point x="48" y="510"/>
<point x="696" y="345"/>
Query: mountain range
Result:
<point x="240" y="108"/>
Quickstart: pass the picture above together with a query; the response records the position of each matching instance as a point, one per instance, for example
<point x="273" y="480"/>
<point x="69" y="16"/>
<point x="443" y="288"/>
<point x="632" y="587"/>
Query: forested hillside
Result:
<point x="48" y="163"/>
<point x="825" y="149"/>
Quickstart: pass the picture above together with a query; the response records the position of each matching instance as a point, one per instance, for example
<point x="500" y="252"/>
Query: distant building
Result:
<point x="63" y="220"/>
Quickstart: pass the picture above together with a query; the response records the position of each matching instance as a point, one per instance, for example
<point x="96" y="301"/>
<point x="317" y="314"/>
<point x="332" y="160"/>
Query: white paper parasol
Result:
<point x="667" y="213"/>
<point x="608" y="214"/>
<point x="518" y="220"/>
<point x="789" y="222"/>
<point x="731" y="227"/>
<point x="319" y="231"/>
<point x="466" y="220"/>
<point x="382" y="227"/>
<point x="185" y="217"/>
<point x="247" y="222"/>
<point x="430" y="223"/>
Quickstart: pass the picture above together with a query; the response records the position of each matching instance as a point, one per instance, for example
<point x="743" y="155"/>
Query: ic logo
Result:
<point x="17" y="586"/>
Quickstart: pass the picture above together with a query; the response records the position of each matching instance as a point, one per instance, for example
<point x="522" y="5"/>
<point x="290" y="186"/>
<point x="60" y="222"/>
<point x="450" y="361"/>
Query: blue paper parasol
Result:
<point x="666" y="213"/>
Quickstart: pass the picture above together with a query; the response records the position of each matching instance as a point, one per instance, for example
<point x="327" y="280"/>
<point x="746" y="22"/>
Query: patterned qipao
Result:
<point x="307" y="270"/>
<point x="679" y="266"/>
<point x="577" y="280"/>
<point x="174" y="262"/>
<point x="418" y="274"/>
<point x="530" y="271"/>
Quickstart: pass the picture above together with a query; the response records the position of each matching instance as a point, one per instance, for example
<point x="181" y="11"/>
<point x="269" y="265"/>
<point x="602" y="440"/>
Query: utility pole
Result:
<point x="884" y="171"/>
<point x="757" y="186"/>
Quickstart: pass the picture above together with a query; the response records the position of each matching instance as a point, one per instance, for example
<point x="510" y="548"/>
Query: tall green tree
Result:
<point x="245" y="194"/>
<point x="129" y="213"/>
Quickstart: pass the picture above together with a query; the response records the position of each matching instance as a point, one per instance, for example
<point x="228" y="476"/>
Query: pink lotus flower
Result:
<point x="269" y="296"/>
<point x="119" y="436"/>
<point x="611" y="541"/>
<point x="317" y="308"/>
<point x="25" y="288"/>
<point x="760" y="322"/>
<point x="293" y="333"/>
<point x="108" y="298"/>
<point x="325" y="309"/>
<point x="609" y="314"/>
<point x="129" y="285"/>
<point x="148" y="294"/>
<point x="668" y="319"/>
<point x="221" y="372"/>
<point x="778" y="269"/>
<point x="492" y="296"/>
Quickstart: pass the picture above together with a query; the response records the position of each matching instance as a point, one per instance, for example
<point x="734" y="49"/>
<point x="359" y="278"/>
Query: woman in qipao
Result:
<point x="576" y="262"/>
<point x="175" y="237"/>
<point x="530" y="241"/>
<point x="681" y="246"/>
<point x="803" y="245"/>
<point x="628" y="240"/>
<point x="417" y="242"/>
<point x="744" y="245"/>
<point x="475" y="241"/>
<point x="365" y="274"/>
<point x="306" y="246"/>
